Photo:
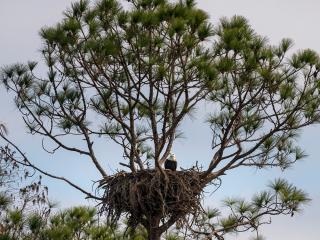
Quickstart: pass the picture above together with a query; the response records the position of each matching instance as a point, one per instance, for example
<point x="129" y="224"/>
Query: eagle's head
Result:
<point x="172" y="157"/>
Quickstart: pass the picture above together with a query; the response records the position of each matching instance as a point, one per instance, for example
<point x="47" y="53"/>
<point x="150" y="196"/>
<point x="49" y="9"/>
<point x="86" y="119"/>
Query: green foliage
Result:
<point x="229" y="223"/>
<point x="134" y="74"/>
<point x="212" y="213"/>
<point x="35" y="223"/>
<point x="172" y="236"/>
<point x="15" y="217"/>
<point x="119" y="54"/>
<point x="243" y="215"/>
<point x="71" y="224"/>
<point x="4" y="201"/>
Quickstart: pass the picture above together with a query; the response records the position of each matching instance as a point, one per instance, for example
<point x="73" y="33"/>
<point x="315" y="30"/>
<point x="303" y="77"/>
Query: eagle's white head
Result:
<point x="172" y="157"/>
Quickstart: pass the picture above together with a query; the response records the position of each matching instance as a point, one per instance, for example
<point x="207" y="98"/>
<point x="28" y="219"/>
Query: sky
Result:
<point x="20" y="22"/>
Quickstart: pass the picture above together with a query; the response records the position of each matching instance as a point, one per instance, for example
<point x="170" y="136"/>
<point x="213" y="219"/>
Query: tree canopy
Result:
<point x="132" y="75"/>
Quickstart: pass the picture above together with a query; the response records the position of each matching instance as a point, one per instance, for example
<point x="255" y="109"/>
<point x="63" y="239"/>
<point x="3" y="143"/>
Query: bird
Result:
<point x="171" y="163"/>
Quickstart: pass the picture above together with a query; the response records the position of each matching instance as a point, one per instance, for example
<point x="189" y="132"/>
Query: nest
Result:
<point x="148" y="193"/>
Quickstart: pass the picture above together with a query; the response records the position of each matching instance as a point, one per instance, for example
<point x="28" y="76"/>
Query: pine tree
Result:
<point x="133" y="75"/>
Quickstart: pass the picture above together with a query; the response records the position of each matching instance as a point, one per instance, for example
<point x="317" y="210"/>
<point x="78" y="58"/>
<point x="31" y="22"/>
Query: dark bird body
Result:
<point x="171" y="163"/>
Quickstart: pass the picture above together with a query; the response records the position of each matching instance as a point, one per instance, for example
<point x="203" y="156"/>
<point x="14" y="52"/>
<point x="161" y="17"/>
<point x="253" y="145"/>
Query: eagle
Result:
<point x="171" y="163"/>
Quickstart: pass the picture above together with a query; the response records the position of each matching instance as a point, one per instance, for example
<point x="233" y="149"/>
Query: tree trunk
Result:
<point x="154" y="232"/>
<point x="154" y="235"/>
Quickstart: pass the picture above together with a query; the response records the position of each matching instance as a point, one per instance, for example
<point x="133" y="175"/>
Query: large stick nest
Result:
<point x="148" y="193"/>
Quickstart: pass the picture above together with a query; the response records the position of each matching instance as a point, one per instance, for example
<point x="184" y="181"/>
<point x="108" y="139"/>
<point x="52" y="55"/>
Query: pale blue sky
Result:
<point x="20" y="22"/>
